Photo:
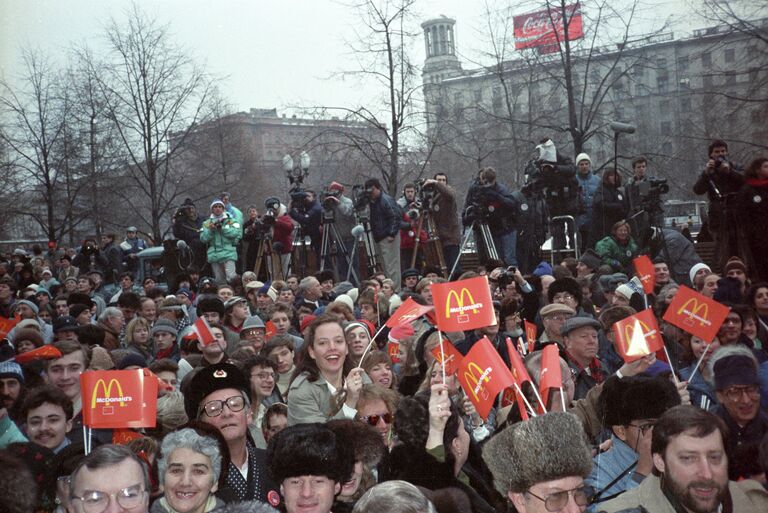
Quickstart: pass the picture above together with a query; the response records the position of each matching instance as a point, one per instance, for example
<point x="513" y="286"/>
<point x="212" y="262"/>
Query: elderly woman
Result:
<point x="189" y="470"/>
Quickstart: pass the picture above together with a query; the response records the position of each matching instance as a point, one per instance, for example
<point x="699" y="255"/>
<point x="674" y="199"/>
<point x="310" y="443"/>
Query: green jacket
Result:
<point x="614" y="254"/>
<point x="221" y="240"/>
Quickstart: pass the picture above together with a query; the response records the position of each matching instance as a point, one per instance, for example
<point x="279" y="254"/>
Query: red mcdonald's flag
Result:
<point x="452" y="357"/>
<point x="696" y="314"/>
<point x="203" y="331"/>
<point x="119" y="399"/>
<point x="463" y="305"/>
<point x="393" y="349"/>
<point x="519" y="374"/>
<point x="46" y="352"/>
<point x="530" y="334"/>
<point x="646" y="272"/>
<point x="271" y="331"/>
<point x="483" y="375"/>
<point x="551" y="375"/>
<point x="510" y="397"/>
<point x="408" y="312"/>
<point x="637" y="336"/>
<point x="6" y="325"/>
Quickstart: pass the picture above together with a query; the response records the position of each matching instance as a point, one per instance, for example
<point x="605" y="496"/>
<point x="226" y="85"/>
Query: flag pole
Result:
<point x="442" y="354"/>
<point x="527" y="404"/>
<point x="701" y="359"/>
<point x="671" y="366"/>
<point x="373" y="342"/>
<point x="562" y="399"/>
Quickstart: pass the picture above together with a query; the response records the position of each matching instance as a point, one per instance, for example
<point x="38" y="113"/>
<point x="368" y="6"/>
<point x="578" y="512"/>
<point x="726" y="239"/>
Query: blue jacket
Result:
<point x="589" y="185"/>
<point x="608" y="466"/>
<point x="385" y="217"/>
<point x="701" y="391"/>
<point x="309" y="218"/>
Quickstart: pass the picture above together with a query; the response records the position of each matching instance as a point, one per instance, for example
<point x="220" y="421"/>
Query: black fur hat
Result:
<point x="210" y="304"/>
<point x="309" y="450"/>
<point x="568" y="285"/>
<point x="633" y="398"/>
<point x="366" y="443"/>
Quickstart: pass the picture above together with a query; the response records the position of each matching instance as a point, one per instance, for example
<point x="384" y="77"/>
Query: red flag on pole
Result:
<point x="696" y="314"/>
<point x="408" y="312"/>
<point x="452" y="357"/>
<point x="551" y="376"/>
<point x="530" y="334"/>
<point x="202" y="331"/>
<point x="463" y="305"/>
<point x="6" y="325"/>
<point x="119" y="399"/>
<point x="46" y="352"/>
<point x="637" y="336"/>
<point x="271" y="330"/>
<point x="483" y="375"/>
<point x="646" y="272"/>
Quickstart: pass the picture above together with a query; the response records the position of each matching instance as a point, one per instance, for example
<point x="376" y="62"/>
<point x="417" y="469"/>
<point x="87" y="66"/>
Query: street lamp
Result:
<point x="296" y="173"/>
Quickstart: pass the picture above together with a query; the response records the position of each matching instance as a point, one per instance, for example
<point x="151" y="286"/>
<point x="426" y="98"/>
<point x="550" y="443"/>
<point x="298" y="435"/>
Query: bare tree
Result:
<point x="34" y="119"/>
<point x="154" y="93"/>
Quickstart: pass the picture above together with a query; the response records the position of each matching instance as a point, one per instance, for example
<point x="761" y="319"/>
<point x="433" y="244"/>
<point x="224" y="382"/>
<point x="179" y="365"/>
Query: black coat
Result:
<point x="726" y="183"/>
<point x="752" y="212"/>
<point x="608" y="208"/>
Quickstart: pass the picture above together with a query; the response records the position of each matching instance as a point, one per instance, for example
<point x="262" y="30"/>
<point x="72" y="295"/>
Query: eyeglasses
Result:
<point x="558" y="500"/>
<point x="214" y="408"/>
<point x="644" y="427"/>
<point x="563" y="297"/>
<point x="373" y="420"/>
<point x="94" y="501"/>
<point x="264" y="375"/>
<point x="735" y="393"/>
<point x="562" y="317"/>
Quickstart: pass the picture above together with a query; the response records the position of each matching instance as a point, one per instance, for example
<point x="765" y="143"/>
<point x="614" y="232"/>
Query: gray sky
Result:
<point x="270" y="53"/>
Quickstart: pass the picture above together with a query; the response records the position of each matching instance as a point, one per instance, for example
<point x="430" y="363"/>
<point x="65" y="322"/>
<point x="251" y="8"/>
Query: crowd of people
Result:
<point x="305" y="400"/>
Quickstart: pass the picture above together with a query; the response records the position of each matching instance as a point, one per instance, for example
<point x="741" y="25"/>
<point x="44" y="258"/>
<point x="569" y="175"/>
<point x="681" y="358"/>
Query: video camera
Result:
<point x="330" y="198"/>
<point x="361" y="197"/>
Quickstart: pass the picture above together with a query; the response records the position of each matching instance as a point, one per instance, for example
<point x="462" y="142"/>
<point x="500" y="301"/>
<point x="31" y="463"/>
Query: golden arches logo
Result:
<point x="410" y="314"/>
<point x="699" y="312"/>
<point x="476" y="378"/>
<point x="460" y="307"/>
<point x="107" y="400"/>
<point x="635" y="337"/>
<point x="645" y="330"/>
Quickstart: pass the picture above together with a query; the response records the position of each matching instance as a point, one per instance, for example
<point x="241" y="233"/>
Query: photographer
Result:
<point x="445" y="214"/>
<point x="343" y="212"/>
<point x="221" y="234"/>
<point x="306" y="210"/>
<point x="411" y="208"/>
<point x="385" y="227"/>
<point x="494" y="204"/>
<point x="253" y="233"/>
<point x="90" y="258"/>
<point x="721" y="181"/>
<point x="186" y="226"/>
<point x="643" y="195"/>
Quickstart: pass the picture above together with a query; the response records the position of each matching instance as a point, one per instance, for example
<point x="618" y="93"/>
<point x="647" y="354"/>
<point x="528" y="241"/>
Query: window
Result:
<point x="663" y="84"/>
<point x="706" y="59"/>
<point x="682" y="63"/>
<point x="666" y="128"/>
<point x="730" y="55"/>
<point x="666" y="149"/>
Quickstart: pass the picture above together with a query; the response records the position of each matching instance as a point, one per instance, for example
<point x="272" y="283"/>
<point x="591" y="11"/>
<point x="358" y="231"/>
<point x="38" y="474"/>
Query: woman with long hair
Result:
<point x="324" y="384"/>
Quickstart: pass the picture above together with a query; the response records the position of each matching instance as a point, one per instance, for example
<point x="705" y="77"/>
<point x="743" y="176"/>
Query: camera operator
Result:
<point x="588" y="185"/>
<point x="721" y="180"/>
<point x="385" y="227"/>
<point x="643" y="194"/>
<point x="90" y="258"/>
<point x="221" y="233"/>
<point x="496" y="205"/>
<point x="114" y="256"/>
<point x="186" y="226"/>
<point x="253" y="233"/>
<point x="344" y="218"/>
<point x="306" y="210"/>
<point x="282" y="229"/>
<point x="411" y="208"/>
<point x="445" y="214"/>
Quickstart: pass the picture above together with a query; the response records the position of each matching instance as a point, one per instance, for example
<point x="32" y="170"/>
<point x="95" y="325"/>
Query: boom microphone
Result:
<point x="358" y="231"/>
<point x="624" y="128"/>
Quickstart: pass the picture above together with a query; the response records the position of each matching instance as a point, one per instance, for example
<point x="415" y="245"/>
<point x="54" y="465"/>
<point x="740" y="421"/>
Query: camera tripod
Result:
<point x="273" y="264"/>
<point x="331" y="245"/>
<point x="363" y="217"/>
<point x="569" y="234"/>
<point x="433" y="250"/>
<point x="485" y="240"/>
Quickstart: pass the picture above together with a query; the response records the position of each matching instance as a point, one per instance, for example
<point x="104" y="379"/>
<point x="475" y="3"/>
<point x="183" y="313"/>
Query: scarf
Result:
<point x="757" y="182"/>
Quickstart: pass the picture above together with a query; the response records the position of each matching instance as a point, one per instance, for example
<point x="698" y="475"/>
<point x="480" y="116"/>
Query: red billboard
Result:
<point x="544" y="29"/>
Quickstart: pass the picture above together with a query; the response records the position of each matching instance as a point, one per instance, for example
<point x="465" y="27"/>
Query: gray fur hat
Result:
<point x="544" y="448"/>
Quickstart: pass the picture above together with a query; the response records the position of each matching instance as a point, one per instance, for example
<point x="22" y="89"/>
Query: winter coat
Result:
<point x="311" y="401"/>
<point x="385" y="217"/>
<point x="610" y="465"/>
<point x="310" y="218"/>
<point x="500" y="204"/>
<point x="187" y="229"/>
<point x="747" y="496"/>
<point x="726" y="183"/>
<point x="608" y="208"/>
<point x="282" y="233"/>
<point x="446" y="215"/>
<point x="588" y="186"/>
<point x="618" y="256"/>
<point x="752" y="213"/>
<point x="680" y="255"/>
<point x="221" y="239"/>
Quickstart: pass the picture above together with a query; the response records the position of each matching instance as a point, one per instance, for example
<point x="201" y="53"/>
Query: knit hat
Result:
<point x="231" y="302"/>
<point x="309" y="449"/>
<point x="216" y="202"/>
<point x="268" y="290"/>
<point x="46" y="271"/>
<point x="591" y="259"/>
<point x="625" y="291"/>
<point x="210" y="379"/>
<point x="735" y="263"/>
<point x="634" y="398"/>
<point x="362" y="323"/>
<point x="737" y="369"/>
<point x="394" y="303"/>
<point x="132" y="359"/>
<point x="164" y="326"/>
<point x="9" y="369"/>
<point x="344" y="298"/>
<point x="583" y="156"/>
<point x="76" y="309"/>
<point x="27" y="302"/>
<point x="543" y="269"/>
<point x="100" y="359"/>
<point x="543" y="448"/>
<point x="33" y="324"/>
<point x="696" y="268"/>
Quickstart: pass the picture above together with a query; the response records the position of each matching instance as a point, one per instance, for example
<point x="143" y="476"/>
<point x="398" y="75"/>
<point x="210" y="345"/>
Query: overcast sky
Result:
<point x="270" y="53"/>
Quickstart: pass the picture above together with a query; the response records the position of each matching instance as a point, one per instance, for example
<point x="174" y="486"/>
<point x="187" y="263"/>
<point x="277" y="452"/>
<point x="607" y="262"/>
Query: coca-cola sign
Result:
<point x="546" y="28"/>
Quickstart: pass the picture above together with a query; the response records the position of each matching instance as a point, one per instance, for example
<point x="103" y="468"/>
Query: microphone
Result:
<point x="181" y="245"/>
<point x="358" y="232"/>
<point x="624" y="128"/>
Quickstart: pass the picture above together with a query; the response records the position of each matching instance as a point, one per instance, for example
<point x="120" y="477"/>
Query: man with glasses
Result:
<point x="111" y="478"/>
<point x="630" y="407"/>
<point x="262" y="373"/>
<point x="553" y="316"/>
<point x="690" y="471"/>
<point x="738" y="390"/>
<point x="539" y="465"/>
<point x="219" y="395"/>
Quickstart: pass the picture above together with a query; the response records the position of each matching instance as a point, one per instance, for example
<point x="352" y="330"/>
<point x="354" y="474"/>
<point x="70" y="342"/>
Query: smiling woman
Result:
<point x="319" y="389"/>
<point x="189" y="468"/>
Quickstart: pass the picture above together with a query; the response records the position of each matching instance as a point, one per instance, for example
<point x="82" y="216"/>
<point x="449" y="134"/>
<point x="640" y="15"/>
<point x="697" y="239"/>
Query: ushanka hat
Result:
<point x="310" y="449"/>
<point x="210" y="379"/>
<point x="543" y="448"/>
<point x="635" y="398"/>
